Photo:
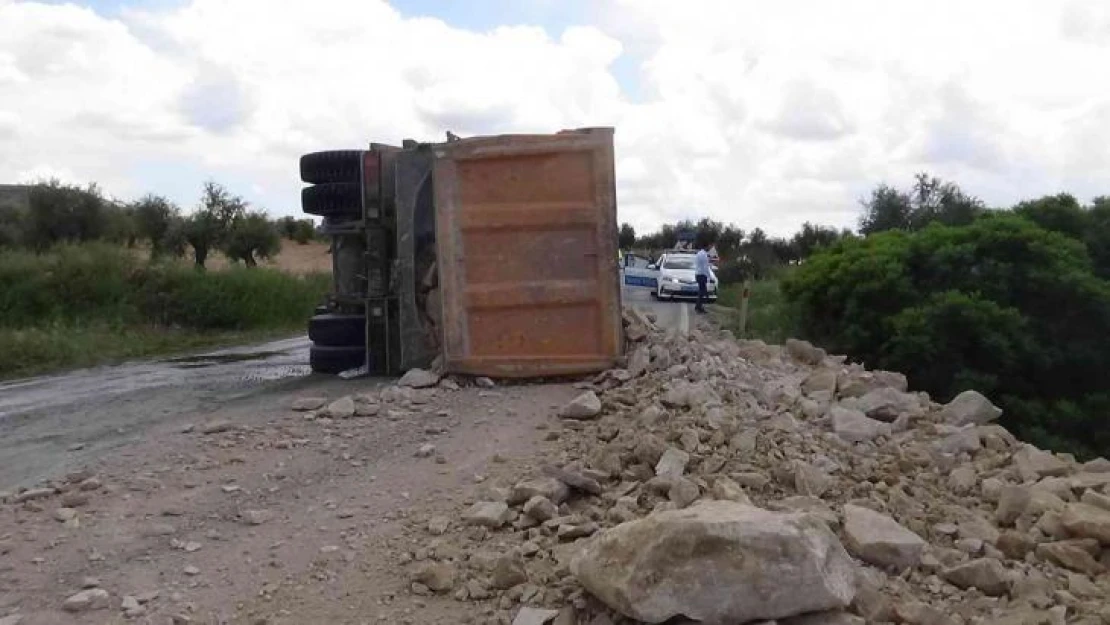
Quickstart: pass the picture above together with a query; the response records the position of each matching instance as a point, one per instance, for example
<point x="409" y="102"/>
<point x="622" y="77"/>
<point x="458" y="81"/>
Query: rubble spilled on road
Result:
<point x="709" y="479"/>
<point x="726" y="481"/>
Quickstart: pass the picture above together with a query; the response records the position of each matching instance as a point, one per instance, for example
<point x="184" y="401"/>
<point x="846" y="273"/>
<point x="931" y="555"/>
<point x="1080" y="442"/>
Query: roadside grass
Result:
<point x="771" y="318"/>
<point x="90" y="304"/>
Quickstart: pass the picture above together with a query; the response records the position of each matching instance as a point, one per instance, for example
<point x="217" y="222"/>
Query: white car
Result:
<point x="676" y="278"/>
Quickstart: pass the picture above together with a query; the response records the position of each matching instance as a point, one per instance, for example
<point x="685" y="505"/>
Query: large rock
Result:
<point x="856" y="427"/>
<point x="1070" y="555"/>
<point x="342" y="408"/>
<point x="418" y="378"/>
<point x="965" y="440"/>
<point x="437" y="576"/>
<point x="970" y="408"/>
<point x="1085" y="480"/>
<point x="91" y="599"/>
<point x="821" y="382"/>
<point x="683" y="394"/>
<point x="804" y="351"/>
<point x="858" y="382"/>
<point x="547" y="487"/>
<point x="1033" y="463"/>
<point x="1086" y="521"/>
<point x="887" y="404"/>
<point x="585" y="406"/>
<point x="672" y="463"/>
<point x="1012" y="503"/>
<point x="487" y="514"/>
<point x="1091" y="498"/>
<point x="718" y="562"/>
<point x="1015" y="545"/>
<point x="986" y="574"/>
<point x="1098" y="465"/>
<point x="302" y="404"/>
<point x="878" y="539"/>
<point x="811" y="480"/>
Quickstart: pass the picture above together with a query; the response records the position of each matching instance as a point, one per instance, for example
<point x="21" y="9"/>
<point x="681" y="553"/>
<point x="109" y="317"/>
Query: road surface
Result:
<point x="50" y="424"/>
<point x="667" y="314"/>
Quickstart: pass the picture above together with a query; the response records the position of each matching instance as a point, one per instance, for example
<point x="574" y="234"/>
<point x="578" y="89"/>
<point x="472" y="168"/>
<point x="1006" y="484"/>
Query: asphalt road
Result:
<point x="50" y="424"/>
<point x="667" y="314"/>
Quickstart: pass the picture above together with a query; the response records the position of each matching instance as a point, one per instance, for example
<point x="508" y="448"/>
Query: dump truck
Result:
<point x="486" y="256"/>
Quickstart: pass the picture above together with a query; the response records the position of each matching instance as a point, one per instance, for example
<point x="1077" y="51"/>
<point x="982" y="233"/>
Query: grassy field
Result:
<point x="92" y="304"/>
<point x="770" y="316"/>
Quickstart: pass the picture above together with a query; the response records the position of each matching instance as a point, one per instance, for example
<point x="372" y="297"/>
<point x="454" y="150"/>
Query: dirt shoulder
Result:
<point x="300" y="519"/>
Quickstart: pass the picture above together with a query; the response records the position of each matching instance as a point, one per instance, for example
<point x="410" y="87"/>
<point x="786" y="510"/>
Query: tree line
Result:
<point x="56" y="213"/>
<point x="929" y="200"/>
<point x="743" y="254"/>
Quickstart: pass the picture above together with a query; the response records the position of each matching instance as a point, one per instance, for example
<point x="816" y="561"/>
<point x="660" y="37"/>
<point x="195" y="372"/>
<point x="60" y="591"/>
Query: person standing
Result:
<point x="701" y="274"/>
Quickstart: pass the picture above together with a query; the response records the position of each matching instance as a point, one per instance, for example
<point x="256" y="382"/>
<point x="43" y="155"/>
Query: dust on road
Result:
<point x="51" y="423"/>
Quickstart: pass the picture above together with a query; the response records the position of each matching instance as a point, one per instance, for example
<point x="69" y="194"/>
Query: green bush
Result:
<point x="771" y="317"/>
<point x="102" y="299"/>
<point x="1001" y="305"/>
<point x="234" y="299"/>
<point x="68" y="284"/>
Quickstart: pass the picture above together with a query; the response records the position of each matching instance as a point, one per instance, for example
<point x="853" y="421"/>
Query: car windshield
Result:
<point x="678" y="263"/>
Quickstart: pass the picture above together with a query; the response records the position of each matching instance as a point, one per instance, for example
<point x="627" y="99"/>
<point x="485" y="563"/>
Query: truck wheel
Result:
<point x="329" y="359"/>
<point x="333" y="199"/>
<point x="332" y="166"/>
<point x="338" y="330"/>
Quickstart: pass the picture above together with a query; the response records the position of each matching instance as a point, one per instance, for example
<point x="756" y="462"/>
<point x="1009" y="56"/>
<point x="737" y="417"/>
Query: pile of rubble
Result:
<point x="726" y="481"/>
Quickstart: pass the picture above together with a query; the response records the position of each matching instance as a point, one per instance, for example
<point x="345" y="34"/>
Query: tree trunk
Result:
<point x="200" y="255"/>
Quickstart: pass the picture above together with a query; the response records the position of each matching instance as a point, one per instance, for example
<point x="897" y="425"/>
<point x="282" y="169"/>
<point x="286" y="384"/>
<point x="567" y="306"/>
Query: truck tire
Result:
<point x="332" y="166"/>
<point x="338" y="330"/>
<point x="336" y="199"/>
<point x="332" y="360"/>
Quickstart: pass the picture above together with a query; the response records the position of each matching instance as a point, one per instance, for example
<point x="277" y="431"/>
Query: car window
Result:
<point x="678" y="263"/>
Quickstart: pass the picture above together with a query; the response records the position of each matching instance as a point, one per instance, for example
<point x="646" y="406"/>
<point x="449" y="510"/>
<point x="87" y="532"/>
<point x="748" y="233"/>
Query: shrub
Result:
<point x="1000" y="305"/>
<point x="82" y="284"/>
<point x="251" y="237"/>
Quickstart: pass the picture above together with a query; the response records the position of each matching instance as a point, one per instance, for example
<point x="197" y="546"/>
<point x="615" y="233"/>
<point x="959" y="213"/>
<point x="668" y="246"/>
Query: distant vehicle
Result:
<point x="714" y="257"/>
<point x="676" y="277"/>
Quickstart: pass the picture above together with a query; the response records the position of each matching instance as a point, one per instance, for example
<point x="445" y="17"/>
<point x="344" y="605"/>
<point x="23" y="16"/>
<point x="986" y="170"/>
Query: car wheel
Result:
<point x="332" y="166"/>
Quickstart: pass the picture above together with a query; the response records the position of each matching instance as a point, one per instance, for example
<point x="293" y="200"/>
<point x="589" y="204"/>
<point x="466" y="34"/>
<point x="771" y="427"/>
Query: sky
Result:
<point x="756" y="113"/>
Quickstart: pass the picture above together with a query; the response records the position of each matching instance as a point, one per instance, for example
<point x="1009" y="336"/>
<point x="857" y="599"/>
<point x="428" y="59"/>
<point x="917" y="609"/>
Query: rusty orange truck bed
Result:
<point x="499" y="256"/>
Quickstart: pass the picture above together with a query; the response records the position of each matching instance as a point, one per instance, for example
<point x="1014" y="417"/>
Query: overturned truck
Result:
<point x="493" y="255"/>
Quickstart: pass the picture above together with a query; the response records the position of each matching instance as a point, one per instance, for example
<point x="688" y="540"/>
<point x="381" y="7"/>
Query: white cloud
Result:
<point x="806" y="105"/>
<point x="766" y="114"/>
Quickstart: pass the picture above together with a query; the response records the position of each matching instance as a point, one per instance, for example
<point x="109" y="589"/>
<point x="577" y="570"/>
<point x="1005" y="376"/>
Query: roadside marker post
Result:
<point x="744" y="306"/>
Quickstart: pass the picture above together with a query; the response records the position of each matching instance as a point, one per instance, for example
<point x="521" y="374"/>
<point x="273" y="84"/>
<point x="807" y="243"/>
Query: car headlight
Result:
<point x="670" y="280"/>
